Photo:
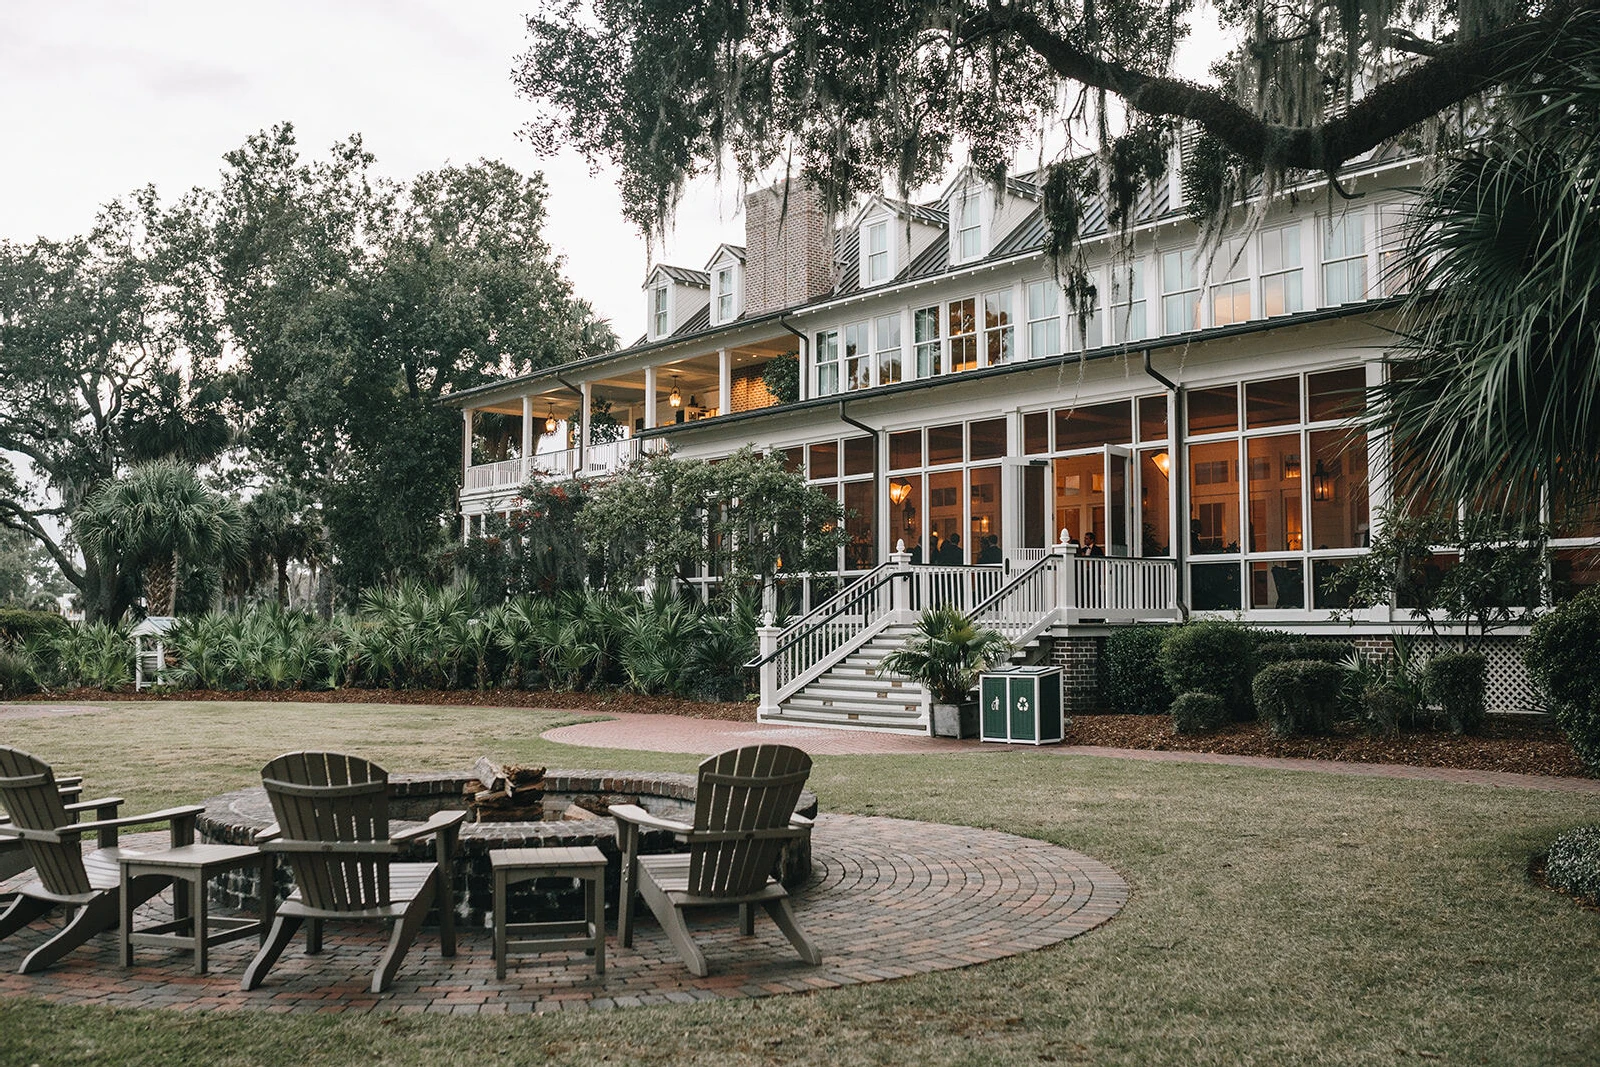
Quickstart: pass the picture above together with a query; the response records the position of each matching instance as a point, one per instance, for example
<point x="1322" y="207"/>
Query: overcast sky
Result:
<point x="104" y="96"/>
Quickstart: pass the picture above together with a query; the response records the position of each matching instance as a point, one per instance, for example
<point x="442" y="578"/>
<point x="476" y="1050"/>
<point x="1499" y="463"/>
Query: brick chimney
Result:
<point x="788" y="248"/>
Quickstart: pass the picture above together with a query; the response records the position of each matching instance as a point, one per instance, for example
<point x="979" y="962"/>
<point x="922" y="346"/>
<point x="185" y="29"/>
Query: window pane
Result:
<point x="945" y="518"/>
<point x="905" y="450"/>
<point x="1280" y="584"/>
<point x="1152" y="417"/>
<point x="944" y="443"/>
<point x="1274" y="476"/>
<point x="1036" y="432"/>
<point x="1338" y="394"/>
<point x="1080" y="497"/>
<point x="1214" y="587"/>
<point x="1337" y="485"/>
<point x="1155" y="516"/>
<point x="1572" y="570"/>
<point x="1033" y="531"/>
<point x="1213" y="410"/>
<point x="1567" y="520"/>
<point x="793" y="459"/>
<point x="1323" y="573"/>
<point x="825" y="460"/>
<point x="983" y="546"/>
<point x="1273" y="403"/>
<point x="860" y="522"/>
<point x="1094" y="424"/>
<point x="1214" y="497"/>
<point x="905" y="516"/>
<point x="1230" y="303"/>
<point x="988" y="439"/>
<point x="858" y="455"/>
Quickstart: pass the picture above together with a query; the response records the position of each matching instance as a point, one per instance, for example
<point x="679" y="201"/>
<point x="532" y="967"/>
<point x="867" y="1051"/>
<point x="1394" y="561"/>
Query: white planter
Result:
<point x="955" y="720"/>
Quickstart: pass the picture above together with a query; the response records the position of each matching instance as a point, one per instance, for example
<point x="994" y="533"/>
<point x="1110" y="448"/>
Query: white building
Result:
<point x="953" y="402"/>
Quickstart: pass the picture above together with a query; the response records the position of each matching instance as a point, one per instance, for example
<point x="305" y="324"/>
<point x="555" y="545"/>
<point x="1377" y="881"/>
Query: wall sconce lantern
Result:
<point x="1163" y="463"/>
<point x="675" y="398"/>
<point x="1291" y="466"/>
<point x="898" y="491"/>
<point x="1321" y="483"/>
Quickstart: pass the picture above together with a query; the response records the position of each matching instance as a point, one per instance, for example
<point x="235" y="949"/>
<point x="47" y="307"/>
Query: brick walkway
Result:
<point x="889" y="898"/>
<point x="672" y="733"/>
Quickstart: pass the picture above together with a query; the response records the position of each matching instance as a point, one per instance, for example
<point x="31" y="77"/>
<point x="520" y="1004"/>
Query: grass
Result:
<point x="1276" y="917"/>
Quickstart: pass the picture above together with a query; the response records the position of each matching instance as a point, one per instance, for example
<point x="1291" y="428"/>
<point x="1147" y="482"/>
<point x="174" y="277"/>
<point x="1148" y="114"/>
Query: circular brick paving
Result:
<point x="888" y="898"/>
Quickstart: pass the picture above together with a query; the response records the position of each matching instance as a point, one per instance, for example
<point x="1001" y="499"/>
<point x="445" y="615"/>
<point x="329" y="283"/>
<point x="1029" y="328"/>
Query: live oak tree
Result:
<point x="860" y="94"/>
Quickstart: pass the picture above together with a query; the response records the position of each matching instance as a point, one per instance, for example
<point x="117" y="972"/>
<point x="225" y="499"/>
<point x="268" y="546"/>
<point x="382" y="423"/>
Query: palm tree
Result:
<point x="281" y="526"/>
<point x="1498" y="379"/>
<point x="946" y="653"/>
<point x="155" y="518"/>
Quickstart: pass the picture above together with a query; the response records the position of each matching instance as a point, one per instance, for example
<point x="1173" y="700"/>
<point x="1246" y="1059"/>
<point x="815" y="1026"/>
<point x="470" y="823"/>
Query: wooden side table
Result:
<point x="193" y="927"/>
<point x="514" y="865"/>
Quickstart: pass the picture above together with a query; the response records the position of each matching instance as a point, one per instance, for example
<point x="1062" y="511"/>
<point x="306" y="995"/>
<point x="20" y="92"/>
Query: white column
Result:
<point x="724" y="381"/>
<point x="767" y="643"/>
<point x="466" y="443"/>
<point x="651" y="399"/>
<point x="583" y="423"/>
<point x="528" y="441"/>
<point x="1066" y="579"/>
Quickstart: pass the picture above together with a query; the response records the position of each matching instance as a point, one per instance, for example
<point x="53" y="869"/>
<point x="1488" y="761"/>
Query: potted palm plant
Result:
<point x="946" y="654"/>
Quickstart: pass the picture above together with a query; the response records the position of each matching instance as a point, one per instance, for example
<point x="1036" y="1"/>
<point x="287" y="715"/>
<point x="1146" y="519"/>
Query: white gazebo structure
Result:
<point x="150" y="650"/>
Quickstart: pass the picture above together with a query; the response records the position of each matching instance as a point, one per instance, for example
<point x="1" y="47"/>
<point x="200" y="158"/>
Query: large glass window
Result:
<point x="925" y="335"/>
<point x="1338" y="394"/>
<point x="1093" y="425"/>
<point x="1337" y="484"/>
<point x="1273" y="468"/>
<point x="1080" y="485"/>
<point x="857" y="356"/>
<point x="999" y="334"/>
<point x="1214" y="497"/>
<point x="878" y="252"/>
<point x="1155" y="506"/>
<point x="1272" y="403"/>
<point x="1044" y="319"/>
<point x="1213" y="410"/>
<point x="861" y="523"/>
<point x="983" y="544"/>
<point x="1230" y="284"/>
<point x="1128" y="304"/>
<point x="963" y="331"/>
<point x="987" y="439"/>
<point x="945" y="444"/>
<point x="859" y="453"/>
<point x="1180" y="292"/>
<point x="886" y="329"/>
<point x="945" y="518"/>
<point x="825" y="460"/>
<point x="827" y="362"/>
<point x="905" y="450"/>
<point x="1281" y="274"/>
<point x="1344" y="258"/>
<point x="906" y="512"/>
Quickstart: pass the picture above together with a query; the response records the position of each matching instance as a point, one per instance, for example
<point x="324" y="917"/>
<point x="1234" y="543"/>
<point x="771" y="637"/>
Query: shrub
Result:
<point x="1573" y="865"/>
<point x="1135" y="684"/>
<point x="18" y="625"/>
<point x="1211" y="656"/>
<point x="16" y="674"/>
<point x="1299" y="697"/>
<point x="1284" y="651"/>
<point x="1197" y="713"/>
<point x="1560" y="651"/>
<point x="1385" y="709"/>
<point x="1455" y="681"/>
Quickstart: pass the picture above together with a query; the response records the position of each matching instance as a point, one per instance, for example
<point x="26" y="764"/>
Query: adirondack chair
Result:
<point x="743" y="814"/>
<point x="91" y="885"/>
<point x="13" y="856"/>
<point x="333" y="826"/>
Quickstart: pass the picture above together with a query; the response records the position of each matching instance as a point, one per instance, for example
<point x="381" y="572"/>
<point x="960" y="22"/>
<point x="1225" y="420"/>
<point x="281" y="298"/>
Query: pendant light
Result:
<point x="675" y="398"/>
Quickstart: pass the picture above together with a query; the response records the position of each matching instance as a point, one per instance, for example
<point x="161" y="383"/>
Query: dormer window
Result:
<point x="725" y="295"/>
<point x="877" y="244"/>
<point x="968" y="216"/>
<point x="660" y="312"/>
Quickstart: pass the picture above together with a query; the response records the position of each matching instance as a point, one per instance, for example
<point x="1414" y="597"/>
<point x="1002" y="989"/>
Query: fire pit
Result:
<point x="570" y="811"/>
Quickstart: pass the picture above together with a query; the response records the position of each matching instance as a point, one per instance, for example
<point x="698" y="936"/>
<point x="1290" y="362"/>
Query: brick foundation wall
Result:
<point x="1079" y="660"/>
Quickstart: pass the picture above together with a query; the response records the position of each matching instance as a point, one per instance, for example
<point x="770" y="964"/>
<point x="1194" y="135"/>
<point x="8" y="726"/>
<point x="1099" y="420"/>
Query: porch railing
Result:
<point x="827" y="634"/>
<point x="561" y="463"/>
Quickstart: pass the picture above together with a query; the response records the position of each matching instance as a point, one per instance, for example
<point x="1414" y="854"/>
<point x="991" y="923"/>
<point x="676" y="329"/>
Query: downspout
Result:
<point x="1180" y="418"/>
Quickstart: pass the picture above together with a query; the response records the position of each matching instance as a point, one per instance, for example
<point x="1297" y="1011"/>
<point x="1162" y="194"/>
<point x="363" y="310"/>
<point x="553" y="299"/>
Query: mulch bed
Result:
<point x="543" y="699"/>
<point x="1525" y="745"/>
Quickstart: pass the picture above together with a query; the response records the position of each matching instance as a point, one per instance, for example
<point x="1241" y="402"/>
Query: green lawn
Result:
<point x="1276" y="917"/>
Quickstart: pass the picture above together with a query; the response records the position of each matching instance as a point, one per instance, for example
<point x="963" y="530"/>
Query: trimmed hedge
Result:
<point x="18" y="625"/>
<point x="1573" y="865"/>
<point x="1560" y="651"/>
<point x="1298" y="698"/>
<point x="1456" y="682"/>
<point x="1211" y="656"/>
<point x="1385" y="708"/>
<point x="1135" y="684"/>
<point x="1197" y="713"/>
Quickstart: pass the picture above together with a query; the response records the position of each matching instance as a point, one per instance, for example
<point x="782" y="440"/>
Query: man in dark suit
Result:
<point x="1090" y="548"/>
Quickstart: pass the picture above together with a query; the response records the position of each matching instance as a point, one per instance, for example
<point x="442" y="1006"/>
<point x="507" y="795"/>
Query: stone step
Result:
<point x="914" y="727"/>
<point x="859" y="698"/>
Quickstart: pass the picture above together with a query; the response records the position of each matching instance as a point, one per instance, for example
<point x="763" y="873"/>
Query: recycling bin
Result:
<point x="1021" y="706"/>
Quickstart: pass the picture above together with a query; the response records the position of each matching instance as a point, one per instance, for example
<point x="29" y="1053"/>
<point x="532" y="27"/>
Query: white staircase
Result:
<point x="822" y="670"/>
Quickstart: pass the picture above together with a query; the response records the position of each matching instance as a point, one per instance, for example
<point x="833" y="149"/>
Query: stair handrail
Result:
<point x="826" y="611"/>
<point x="1034" y="573"/>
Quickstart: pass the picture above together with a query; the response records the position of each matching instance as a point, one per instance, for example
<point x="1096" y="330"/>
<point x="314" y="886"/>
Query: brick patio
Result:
<point x="888" y="898"/>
